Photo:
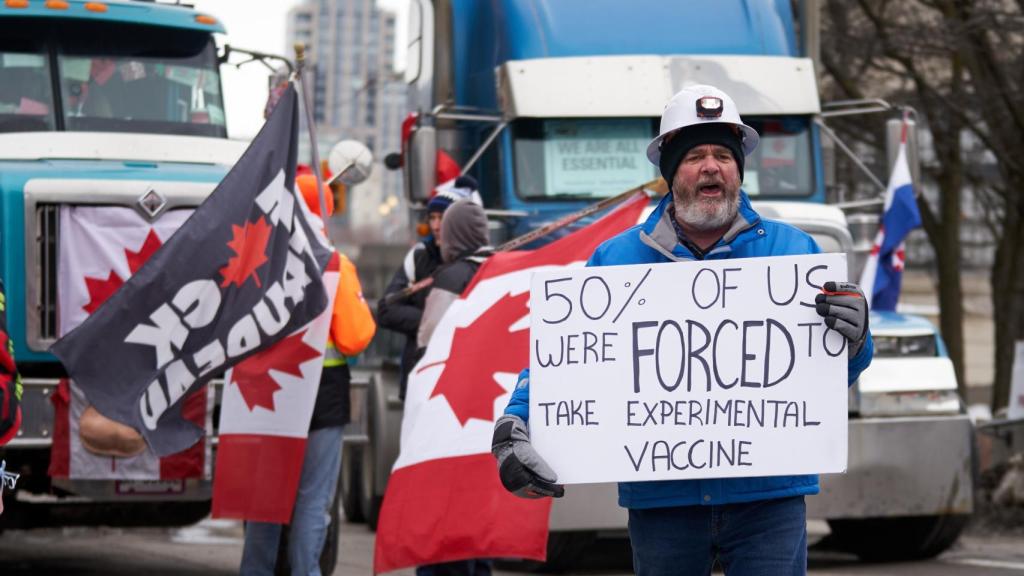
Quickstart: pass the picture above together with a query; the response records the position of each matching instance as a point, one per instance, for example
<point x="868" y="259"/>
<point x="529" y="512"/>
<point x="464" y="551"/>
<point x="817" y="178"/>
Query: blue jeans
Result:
<point x="763" y="538"/>
<point x="310" y="518"/>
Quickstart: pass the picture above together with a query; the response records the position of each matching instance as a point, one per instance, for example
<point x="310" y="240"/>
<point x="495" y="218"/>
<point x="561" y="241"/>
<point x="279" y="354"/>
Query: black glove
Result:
<point x="845" y="310"/>
<point x="523" y="472"/>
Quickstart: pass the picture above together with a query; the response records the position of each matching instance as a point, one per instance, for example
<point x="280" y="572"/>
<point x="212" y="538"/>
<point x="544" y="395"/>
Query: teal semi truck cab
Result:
<point x="114" y="103"/>
<point x="550" y="105"/>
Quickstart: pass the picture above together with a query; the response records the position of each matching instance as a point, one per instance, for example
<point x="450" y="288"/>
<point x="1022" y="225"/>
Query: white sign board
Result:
<point x="595" y="156"/>
<point x="687" y="370"/>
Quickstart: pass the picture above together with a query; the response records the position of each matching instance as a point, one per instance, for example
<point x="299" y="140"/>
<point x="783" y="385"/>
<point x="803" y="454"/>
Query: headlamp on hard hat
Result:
<point x="709" y="107"/>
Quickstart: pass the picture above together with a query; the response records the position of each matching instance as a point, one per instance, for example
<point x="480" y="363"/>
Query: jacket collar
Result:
<point x="659" y="233"/>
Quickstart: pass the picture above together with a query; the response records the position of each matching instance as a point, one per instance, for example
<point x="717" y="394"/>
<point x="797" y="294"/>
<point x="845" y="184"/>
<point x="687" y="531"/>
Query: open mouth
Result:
<point x="710" y="190"/>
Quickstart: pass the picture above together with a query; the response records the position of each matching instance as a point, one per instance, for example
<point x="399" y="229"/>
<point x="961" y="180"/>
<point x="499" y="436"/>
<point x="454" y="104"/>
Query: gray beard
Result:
<point x="707" y="215"/>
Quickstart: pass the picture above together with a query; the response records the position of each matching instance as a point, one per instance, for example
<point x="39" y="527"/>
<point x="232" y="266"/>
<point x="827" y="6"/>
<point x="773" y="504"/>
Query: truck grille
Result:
<point x="43" y="201"/>
<point x="47" y="239"/>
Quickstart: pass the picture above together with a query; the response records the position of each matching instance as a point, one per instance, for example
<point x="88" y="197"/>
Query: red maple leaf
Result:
<point x="100" y="289"/>
<point x="250" y="245"/>
<point x="149" y="247"/>
<point x="484" y="347"/>
<point x="252" y="375"/>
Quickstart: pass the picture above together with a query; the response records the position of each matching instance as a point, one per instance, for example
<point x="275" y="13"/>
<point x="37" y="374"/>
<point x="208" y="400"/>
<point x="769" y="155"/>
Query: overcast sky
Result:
<point x="260" y="25"/>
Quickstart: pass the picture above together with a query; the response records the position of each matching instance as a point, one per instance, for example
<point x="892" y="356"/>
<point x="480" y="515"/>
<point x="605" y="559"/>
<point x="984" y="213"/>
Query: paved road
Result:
<point x="214" y="547"/>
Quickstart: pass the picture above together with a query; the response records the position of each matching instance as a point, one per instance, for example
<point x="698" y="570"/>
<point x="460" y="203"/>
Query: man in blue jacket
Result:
<point x="751" y="526"/>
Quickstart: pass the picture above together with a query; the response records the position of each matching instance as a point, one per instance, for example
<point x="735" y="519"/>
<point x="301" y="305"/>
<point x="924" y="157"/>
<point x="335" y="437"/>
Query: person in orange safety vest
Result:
<point x="352" y="328"/>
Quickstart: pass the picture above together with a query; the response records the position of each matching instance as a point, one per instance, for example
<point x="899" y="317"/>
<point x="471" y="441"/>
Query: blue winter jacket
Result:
<point x="655" y="241"/>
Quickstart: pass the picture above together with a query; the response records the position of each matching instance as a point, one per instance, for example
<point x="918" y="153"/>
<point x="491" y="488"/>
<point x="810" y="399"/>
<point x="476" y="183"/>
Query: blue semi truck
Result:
<point x="102" y="104"/>
<point x="550" y="104"/>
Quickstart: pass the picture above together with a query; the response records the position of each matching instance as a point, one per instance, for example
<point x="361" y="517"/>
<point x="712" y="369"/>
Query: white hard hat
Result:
<point x="700" y="104"/>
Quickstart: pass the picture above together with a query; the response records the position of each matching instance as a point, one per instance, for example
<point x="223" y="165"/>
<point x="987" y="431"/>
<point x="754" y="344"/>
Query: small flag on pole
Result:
<point x="883" y="271"/>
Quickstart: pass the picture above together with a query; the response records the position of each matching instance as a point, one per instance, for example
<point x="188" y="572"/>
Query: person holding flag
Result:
<point x="464" y="247"/>
<point x="10" y="381"/>
<point x="242" y="273"/>
<point x="351" y="329"/>
<point x="751" y="526"/>
<point x="10" y="392"/>
<point x="444" y="503"/>
<point x="883" y="273"/>
<point x="402" y="313"/>
<point x="243" y="286"/>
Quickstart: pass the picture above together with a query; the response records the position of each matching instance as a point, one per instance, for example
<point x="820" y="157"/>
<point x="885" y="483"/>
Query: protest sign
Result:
<point x="593" y="157"/>
<point x="687" y="370"/>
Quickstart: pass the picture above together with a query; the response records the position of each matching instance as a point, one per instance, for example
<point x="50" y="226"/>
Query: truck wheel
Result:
<point x="329" y="554"/>
<point x="350" y="491"/>
<point x="899" y="538"/>
<point x="369" y="501"/>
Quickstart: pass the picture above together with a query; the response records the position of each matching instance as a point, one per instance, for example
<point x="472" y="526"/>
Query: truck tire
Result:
<point x="329" y="554"/>
<point x="899" y="538"/>
<point x="383" y="425"/>
<point x="350" y="490"/>
<point x="369" y="501"/>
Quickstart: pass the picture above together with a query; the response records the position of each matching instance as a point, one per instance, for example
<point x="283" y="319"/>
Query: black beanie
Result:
<point x="719" y="133"/>
<point x="466" y="181"/>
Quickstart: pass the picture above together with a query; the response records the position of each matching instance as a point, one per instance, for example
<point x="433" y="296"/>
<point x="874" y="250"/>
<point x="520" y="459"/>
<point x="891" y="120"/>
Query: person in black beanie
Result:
<point x="704" y="202"/>
<point x="750" y="526"/>
<point x="465" y="247"/>
<point x="403" y="315"/>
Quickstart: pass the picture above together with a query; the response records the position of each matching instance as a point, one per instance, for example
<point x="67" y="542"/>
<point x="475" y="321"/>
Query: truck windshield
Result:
<point x="26" y="94"/>
<point x="589" y="158"/>
<point x="111" y="77"/>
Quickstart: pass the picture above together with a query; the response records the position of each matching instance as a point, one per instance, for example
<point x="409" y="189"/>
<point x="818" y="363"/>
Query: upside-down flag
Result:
<point x="444" y="500"/>
<point x="883" y="272"/>
<point x="243" y="272"/>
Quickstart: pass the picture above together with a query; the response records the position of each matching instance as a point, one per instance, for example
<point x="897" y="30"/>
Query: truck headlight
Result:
<point x="904" y="346"/>
<point x="909" y="403"/>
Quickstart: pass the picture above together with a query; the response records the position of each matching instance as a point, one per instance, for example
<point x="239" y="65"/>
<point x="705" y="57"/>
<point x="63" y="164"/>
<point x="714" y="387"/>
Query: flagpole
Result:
<point x="300" y="60"/>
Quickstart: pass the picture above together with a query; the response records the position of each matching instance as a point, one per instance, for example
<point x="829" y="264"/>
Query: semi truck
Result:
<point x="550" y="104"/>
<point x="102" y="104"/>
<point x="105" y="104"/>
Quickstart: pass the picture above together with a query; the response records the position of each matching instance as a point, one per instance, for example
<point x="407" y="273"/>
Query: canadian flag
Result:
<point x="444" y="500"/>
<point x="264" y="421"/>
<point x="100" y="248"/>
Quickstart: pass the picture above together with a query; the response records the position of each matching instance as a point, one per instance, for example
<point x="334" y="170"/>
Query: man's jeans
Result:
<point x="310" y="518"/>
<point x="764" y="538"/>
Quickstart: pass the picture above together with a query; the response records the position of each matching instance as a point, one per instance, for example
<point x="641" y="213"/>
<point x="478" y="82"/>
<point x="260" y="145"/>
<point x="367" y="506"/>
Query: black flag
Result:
<point x="241" y="273"/>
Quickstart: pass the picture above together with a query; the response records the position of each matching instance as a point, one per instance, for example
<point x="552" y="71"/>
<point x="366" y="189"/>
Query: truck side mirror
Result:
<point x="893" y="136"/>
<point x="414" y="51"/>
<point x="421" y="163"/>
<point x="350" y="161"/>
